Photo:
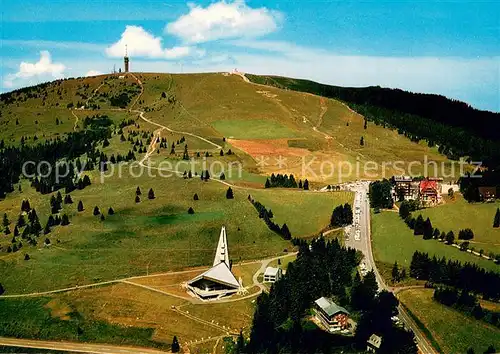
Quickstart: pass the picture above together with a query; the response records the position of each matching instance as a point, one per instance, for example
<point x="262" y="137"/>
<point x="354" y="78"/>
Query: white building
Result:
<point x="218" y="281"/>
<point x="272" y="275"/>
<point x="373" y="343"/>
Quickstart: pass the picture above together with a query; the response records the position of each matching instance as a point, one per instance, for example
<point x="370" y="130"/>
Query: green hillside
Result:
<point x="205" y="112"/>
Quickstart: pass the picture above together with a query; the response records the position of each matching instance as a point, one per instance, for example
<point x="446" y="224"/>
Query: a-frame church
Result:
<point x="218" y="281"/>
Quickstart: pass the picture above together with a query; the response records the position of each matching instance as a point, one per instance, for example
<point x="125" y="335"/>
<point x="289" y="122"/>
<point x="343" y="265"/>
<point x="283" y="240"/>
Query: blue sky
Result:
<point x="446" y="47"/>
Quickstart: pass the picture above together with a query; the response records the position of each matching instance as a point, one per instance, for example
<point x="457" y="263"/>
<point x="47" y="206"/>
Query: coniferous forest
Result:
<point x="280" y="323"/>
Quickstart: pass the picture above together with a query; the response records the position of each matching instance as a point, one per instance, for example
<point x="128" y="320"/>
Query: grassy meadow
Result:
<point x="393" y="241"/>
<point x="454" y="331"/>
<point x="456" y="214"/>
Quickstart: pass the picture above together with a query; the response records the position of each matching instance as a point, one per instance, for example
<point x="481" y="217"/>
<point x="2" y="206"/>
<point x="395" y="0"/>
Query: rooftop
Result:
<point x="270" y="271"/>
<point x="375" y="340"/>
<point x="329" y="307"/>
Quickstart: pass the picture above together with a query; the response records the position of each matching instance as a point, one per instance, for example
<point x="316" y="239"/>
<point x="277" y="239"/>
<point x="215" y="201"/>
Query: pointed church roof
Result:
<point x="220" y="274"/>
<point x="222" y="253"/>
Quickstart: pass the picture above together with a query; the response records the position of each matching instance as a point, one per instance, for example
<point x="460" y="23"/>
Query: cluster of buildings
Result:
<point x="428" y="190"/>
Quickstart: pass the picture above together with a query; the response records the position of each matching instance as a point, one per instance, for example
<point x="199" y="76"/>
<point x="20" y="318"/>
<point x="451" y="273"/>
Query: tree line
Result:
<point x="466" y="276"/>
<point x="267" y="215"/>
<point x="465" y="302"/>
<point x="285" y="181"/>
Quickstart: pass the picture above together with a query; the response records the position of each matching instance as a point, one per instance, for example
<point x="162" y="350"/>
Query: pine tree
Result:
<point x="450" y="237"/>
<point x="300" y="184"/>
<point x="285" y="232"/>
<point x="102" y="217"/>
<point x="190" y="210"/>
<point x="16" y="231"/>
<point x="68" y="199"/>
<point x="96" y="211"/>
<point x="137" y="199"/>
<point x="46" y="229"/>
<point x="362" y="141"/>
<point x="80" y="206"/>
<point x="428" y="230"/>
<point x="65" y="220"/>
<point x="222" y="176"/>
<point x="20" y="221"/>
<point x="138" y="191"/>
<point x="395" y="272"/>
<point x="111" y="211"/>
<point x="6" y="221"/>
<point x="151" y="194"/>
<point x="496" y="221"/>
<point x="221" y="152"/>
<point x="175" y="348"/>
<point x="268" y="184"/>
<point x="306" y="185"/>
<point x="6" y="230"/>
<point x="229" y="193"/>
<point x="195" y="197"/>
<point x="185" y="155"/>
<point x="26" y="257"/>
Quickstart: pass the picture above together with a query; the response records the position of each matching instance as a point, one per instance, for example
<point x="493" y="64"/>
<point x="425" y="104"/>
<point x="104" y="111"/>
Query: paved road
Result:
<point x="363" y="244"/>
<point x="76" y="347"/>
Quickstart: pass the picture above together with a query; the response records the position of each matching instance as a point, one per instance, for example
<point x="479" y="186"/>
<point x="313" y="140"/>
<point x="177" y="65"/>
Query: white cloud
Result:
<point x="141" y="43"/>
<point x="224" y="20"/>
<point x="31" y="73"/>
<point x="93" y="73"/>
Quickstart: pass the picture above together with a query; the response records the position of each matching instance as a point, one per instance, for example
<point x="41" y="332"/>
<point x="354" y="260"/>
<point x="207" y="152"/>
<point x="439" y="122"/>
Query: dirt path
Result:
<point x="97" y="348"/>
<point x="76" y="120"/>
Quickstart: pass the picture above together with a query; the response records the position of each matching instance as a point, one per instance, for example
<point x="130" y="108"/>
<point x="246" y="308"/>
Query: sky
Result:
<point x="445" y="47"/>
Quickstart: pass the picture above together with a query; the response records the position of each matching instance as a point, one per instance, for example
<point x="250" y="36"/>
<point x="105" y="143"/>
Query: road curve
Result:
<point x="76" y="347"/>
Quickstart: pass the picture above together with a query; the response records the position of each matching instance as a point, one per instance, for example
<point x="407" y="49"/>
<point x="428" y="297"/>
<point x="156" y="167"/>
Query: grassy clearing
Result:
<point x="119" y="314"/>
<point x="31" y="318"/>
<point x="457" y="214"/>
<point x="291" y="207"/>
<point x="253" y="129"/>
<point x="394" y="241"/>
<point x="453" y="331"/>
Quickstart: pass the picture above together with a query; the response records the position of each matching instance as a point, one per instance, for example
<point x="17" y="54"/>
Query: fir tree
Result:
<point x="138" y="191"/>
<point x="175" y="348"/>
<point x="268" y="184"/>
<point x="102" y="217"/>
<point x="6" y="221"/>
<point x="111" y="211"/>
<point x="80" y="206"/>
<point x="190" y="210"/>
<point x="16" y="231"/>
<point x="96" y="211"/>
<point x="362" y="141"/>
<point x="20" y="221"/>
<point x="229" y="193"/>
<point x="450" y="237"/>
<point x="306" y="185"/>
<point x="137" y="199"/>
<point x="195" y="197"/>
<point x="26" y="257"/>
<point x="496" y="220"/>
<point x="151" y="194"/>
<point x="65" y="220"/>
<point x="395" y="272"/>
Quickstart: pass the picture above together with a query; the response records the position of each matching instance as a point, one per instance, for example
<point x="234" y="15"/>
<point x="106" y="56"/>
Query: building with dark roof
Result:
<point x="331" y="315"/>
